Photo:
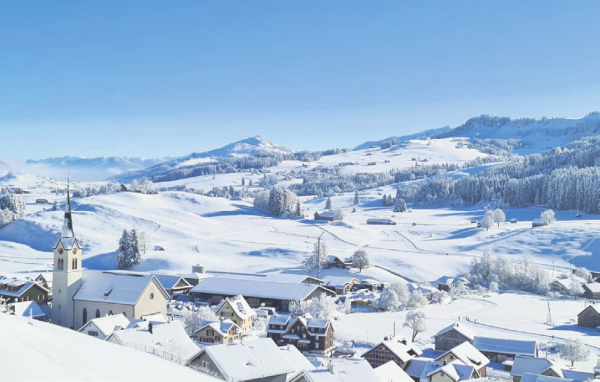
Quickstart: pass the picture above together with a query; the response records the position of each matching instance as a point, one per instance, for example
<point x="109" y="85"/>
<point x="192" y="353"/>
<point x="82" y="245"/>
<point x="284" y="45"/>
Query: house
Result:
<point x="26" y="309"/>
<point x="173" y="284"/>
<point x="370" y="284"/>
<point x="236" y="309"/>
<point x="591" y="291"/>
<point x="443" y="371"/>
<point x="453" y="336"/>
<point x="447" y="283"/>
<point x="562" y="286"/>
<point x="415" y="367"/>
<point x="400" y="352"/>
<point x="339" y="284"/>
<point x="334" y="262"/>
<point x="502" y="349"/>
<point x="469" y="355"/>
<point x="166" y="340"/>
<point x="538" y="223"/>
<point x="16" y="290"/>
<point x="42" y="201"/>
<point x="253" y="360"/>
<point x="529" y="377"/>
<point x="45" y="280"/>
<point x="391" y="372"/>
<point x="270" y="293"/>
<point x="218" y="332"/>
<point x="348" y="370"/>
<point x="79" y="296"/>
<point x="538" y="366"/>
<point x="103" y="327"/>
<point x="589" y="317"/>
<point x="381" y="221"/>
<point x="326" y="215"/>
<point x="309" y="335"/>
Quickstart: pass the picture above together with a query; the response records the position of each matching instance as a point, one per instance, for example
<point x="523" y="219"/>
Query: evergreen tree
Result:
<point x="328" y="204"/>
<point x="298" y="210"/>
<point x="243" y="182"/>
<point x="123" y="252"/>
<point x="55" y="206"/>
<point x="356" y="199"/>
<point x="400" y="205"/>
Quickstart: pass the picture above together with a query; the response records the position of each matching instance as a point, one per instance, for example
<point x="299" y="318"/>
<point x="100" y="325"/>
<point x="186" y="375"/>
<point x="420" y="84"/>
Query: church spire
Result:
<point x="67" y="229"/>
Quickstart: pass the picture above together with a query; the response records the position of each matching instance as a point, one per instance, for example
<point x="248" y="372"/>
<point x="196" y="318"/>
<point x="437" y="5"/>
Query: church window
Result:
<point x="110" y="313"/>
<point x="151" y="296"/>
<point x="85" y="315"/>
<point x="97" y="313"/>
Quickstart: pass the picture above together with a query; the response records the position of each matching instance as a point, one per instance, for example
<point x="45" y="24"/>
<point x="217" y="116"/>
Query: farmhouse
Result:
<point x="218" y="332"/>
<point x="23" y="290"/>
<point x="591" y="291"/>
<point x="538" y="366"/>
<point x="400" y="352"/>
<point x="236" y="309"/>
<point x="446" y="283"/>
<point x="258" y="360"/>
<point x="501" y="349"/>
<point x="453" y="336"/>
<point x="381" y="221"/>
<point x="562" y="286"/>
<point x="42" y="201"/>
<point x="309" y="335"/>
<point x="271" y="294"/>
<point x="327" y="215"/>
<point x="589" y="317"/>
<point x="335" y="262"/>
<point x="173" y="284"/>
<point x="103" y="327"/>
<point x="468" y="355"/>
<point x="436" y="371"/>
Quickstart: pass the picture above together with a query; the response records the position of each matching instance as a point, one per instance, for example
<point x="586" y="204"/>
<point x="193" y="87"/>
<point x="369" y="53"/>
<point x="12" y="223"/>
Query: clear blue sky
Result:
<point x="156" y="78"/>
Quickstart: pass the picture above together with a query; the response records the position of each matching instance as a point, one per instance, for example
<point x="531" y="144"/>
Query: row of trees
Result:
<point x="11" y="208"/>
<point x="132" y="245"/>
<point x="277" y="201"/>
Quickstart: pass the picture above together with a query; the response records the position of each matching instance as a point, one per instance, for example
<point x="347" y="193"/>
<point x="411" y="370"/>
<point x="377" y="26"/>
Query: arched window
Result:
<point x="97" y="313"/>
<point x="85" y="315"/>
<point x="76" y="263"/>
<point x="110" y="313"/>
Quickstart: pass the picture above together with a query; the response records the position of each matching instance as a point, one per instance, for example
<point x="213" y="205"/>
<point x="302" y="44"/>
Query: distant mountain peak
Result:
<point x="251" y="146"/>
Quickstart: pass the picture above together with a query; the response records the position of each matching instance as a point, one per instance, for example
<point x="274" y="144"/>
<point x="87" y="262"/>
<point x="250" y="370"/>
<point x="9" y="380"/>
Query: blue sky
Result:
<point x="158" y="78"/>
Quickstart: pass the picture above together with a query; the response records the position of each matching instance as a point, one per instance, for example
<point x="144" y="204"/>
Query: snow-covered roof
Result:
<point x="252" y="359"/>
<point x="505" y="346"/>
<point x="48" y="276"/>
<point x="23" y="286"/>
<point x="456" y="370"/>
<point x="279" y="320"/>
<point x="253" y="288"/>
<point x="339" y="280"/>
<point x="295" y="358"/>
<point x="26" y="309"/>
<point x="239" y="305"/>
<point x="578" y="375"/>
<point x="425" y="289"/>
<point x="170" y="281"/>
<point x="348" y="370"/>
<point x="68" y="243"/>
<point x="107" y="324"/>
<point x="529" y="377"/>
<point x="328" y="214"/>
<point x="462" y="329"/>
<point x="391" y="372"/>
<point x="445" y="280"/>
<point x="88" y="358"/>
<point x="593" y="287"/>
<point x="115" y="287"/>
<point x="169" y="340"/>
<point x="468" y="354"/>
<point x="221" y="327"/>
<point x="532" y="365"/>
<point x="286" y="278"/>
<point x="400" y="349"/>
<point x="416" y="366"/>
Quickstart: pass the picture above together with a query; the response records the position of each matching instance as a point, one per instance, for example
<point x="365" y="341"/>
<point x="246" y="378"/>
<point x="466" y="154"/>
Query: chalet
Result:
<point x="453" y="336"/>
<point x="443" y="371"/>
<point x="446" y="283"/>
<point x="45" y="280"/>
<point x="237" y="310"/>
<point x="42" y="201"/>
<point x="218" y="332"/>
<point x="326" y="215"/>
<point x="258" y="360"/>
<point x="309" y="335"/>
<point x="400" y="352"/>
<point x="335" y="262"/>
<point x="538" y="366"/>
<point x="270" y="293"/>
<point x="469" y="355"/>
<point x="339" y="285"/>
<point x="23" y="290"/>
<point x="381" y="221"/>
<point x="562" y="286"/>
<point x="416" y="366"/>
<point x="589" y="317"/>
<point x="173" y="284"/>
<point x="103" y="327"/>
<point x="502" y="349"/>
<point x="26" y="309"/>
<point x="591" y="291"/>
<point x="169" y="341"/>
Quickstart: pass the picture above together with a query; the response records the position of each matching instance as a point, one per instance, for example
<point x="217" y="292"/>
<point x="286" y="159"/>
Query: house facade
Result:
<point x="238" y="311"/>
<point x="589" y="317"/>
<point x="218" y="332"/>
<point x="400" y="352"/>
<point x="23" y="290"/>
<point x="468" y="355"/>
<point x="453" y="336"/>
<point x="308" y="335"/>
<point x="591" y="291"/>
<point x="103" y="327"/>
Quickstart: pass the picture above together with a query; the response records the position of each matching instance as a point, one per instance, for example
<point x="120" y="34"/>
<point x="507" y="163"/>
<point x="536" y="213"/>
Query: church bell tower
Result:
<point x="67" y="271"/>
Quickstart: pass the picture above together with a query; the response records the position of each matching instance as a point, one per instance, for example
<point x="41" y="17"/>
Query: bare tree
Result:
<point x="361" y="259"/>
<point x="574" y="351"/>
<point x="416" y="321"/>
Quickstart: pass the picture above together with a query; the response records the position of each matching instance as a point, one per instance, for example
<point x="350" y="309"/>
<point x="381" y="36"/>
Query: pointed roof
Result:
<point x="67" y="229"/>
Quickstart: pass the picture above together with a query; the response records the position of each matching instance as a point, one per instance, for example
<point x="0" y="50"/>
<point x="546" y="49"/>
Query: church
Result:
<point x="79" y="296"/>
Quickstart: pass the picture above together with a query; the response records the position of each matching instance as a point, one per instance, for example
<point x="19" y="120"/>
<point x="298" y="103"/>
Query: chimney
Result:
<point x="445" y="361"/>
<point x="330" y="368"/>
<point x="385" y="338"/>
<point x="404" y="341"/>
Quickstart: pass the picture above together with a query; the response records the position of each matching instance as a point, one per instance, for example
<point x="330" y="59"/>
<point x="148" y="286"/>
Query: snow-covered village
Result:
<point x="262" y="192"/>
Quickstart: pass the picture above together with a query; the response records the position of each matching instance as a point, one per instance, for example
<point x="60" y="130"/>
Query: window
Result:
<point x="97" y="313"/>
<point x="110" y="313"/>
<point x="205" y="364"/>
<point x="151" y="296"/>
<point x="218" y="338"/>
<point x="93" y="333"/>
<point x="85" y="315"/>
<point x="316" y="345"/>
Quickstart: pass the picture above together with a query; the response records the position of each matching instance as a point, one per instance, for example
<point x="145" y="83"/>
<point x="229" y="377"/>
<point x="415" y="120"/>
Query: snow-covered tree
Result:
<point x="192" y="320"/>
<point x="402" y="292"/>
<point x="415" y="320"/>
<point x="574" y="351"/>
<point x="499" y="216"/>
<point x="123" y="252"/>
<point x="400" y="205"/>
<point x="417" y="299"/>
<point x="135" y="185"/>
<point x="298" y="308"/>
<point x="488" y="220"/>
<point x="11" y="208"/>
<point x="132" y="245"/>
<point x="328" y="204"/>
<point x="457" y="290"/>
<point x="575" y="287"/>
<point x="243" y="181"/>
<point x="360" y="260"/>
<point x="322" y="307"/>
<point x="548" y="216"/>
<point x="261" y="200"/>
<point x="388" y="300"/>
<point x="339" y="214"/>
<point x="356" y="199"/>
<point x="584" y="274"/>
<point x="298" y="209"/>
<point x="494" y="287"/>
<point x="441" y="297"/>
<point x="147" y="187"/>
<point x="55" y="206"/>
<point x="319" y="257"/>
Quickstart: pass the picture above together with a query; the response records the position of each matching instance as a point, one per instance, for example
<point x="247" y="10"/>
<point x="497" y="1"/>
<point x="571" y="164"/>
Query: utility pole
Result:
<point x="319" y="256"/>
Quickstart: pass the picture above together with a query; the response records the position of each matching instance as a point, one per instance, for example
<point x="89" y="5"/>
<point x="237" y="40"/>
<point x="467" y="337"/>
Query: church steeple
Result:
<point x="67" y="229"/>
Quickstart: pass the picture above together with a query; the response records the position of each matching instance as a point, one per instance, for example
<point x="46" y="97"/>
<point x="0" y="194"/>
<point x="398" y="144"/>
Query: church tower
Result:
<point x="67" y="271"/>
